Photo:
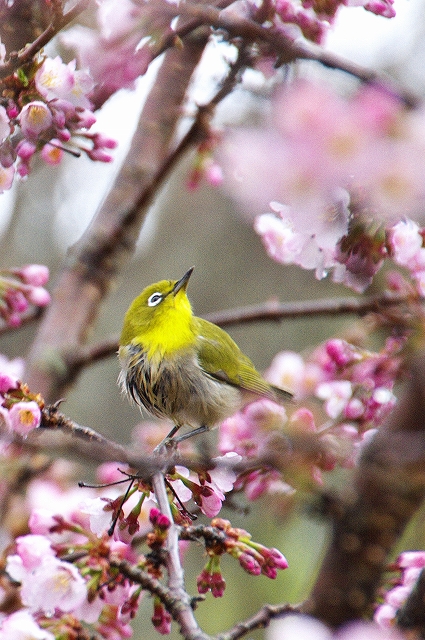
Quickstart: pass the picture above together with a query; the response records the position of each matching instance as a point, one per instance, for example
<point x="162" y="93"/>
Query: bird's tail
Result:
<point x="282" y="395"/>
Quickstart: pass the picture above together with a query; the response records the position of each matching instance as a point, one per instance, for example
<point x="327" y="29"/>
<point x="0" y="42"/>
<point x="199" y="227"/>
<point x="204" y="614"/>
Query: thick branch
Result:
<point x="388" y="488"/>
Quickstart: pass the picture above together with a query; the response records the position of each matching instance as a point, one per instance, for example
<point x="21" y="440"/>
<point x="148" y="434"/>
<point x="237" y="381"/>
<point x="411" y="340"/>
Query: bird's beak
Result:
<point x="182" y="283"/>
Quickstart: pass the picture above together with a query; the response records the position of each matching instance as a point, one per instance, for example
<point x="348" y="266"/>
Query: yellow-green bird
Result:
<point x="182" y="367"/>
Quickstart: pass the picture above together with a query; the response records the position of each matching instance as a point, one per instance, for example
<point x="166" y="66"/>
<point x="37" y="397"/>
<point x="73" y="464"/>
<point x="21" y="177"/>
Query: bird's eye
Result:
<point x="154" y="299"/>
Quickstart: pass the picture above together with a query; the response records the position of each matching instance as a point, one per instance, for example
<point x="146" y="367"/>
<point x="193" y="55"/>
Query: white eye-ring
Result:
<point x="155" y="299"/>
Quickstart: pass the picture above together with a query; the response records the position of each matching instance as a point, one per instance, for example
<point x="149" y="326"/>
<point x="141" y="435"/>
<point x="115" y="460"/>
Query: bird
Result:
<point x="184" y="368"/>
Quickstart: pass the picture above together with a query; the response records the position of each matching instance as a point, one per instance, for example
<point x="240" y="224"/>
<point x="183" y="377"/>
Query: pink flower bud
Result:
<point x="159" y="520"/>
<point x="277" y="559"/>
<point x="249" y="563"/>
<point x="34" y="274"/>
<point x="270" y="572"/>
<point x="25" y="150"/>
<point x="161" y="619"/>
<point x="16" y="300"/>
<point x="218" y="585"/>
<point x="203" y="581"/>
<point x="86" y="118"/>
<point x="39" y="296"/>
<point x="99" y="155"/>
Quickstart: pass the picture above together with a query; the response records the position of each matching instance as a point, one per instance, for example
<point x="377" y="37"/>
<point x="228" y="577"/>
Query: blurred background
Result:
<point x="44" y="215"/>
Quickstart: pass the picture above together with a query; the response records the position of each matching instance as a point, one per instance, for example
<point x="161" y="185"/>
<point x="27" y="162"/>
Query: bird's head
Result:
<point x="160" y="314"/>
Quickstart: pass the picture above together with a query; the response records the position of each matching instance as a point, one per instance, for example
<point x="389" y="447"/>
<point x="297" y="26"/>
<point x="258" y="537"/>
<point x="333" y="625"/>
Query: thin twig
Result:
<point x="276" y="311"/>
<point x="258" y="621"/>
<point x="154" y="586"/>
<point x="184" y="615"/>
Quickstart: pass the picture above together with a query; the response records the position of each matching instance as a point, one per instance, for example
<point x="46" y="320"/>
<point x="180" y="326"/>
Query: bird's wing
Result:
<point x="221" y="358"/>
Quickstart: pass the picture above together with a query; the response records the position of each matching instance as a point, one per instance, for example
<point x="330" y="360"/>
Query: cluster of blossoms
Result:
<point x="313" y="17"/>
<point x="60" y="596"/>
<point x="45" y="108"/>
<point x="350" y="169"/>
<point x="255" y="558"/>
<point x="47" y="105"/>
<point x="410" y="564"/>
<point x="21" y="287"/>
<point x="68" y="566"/>
<point x="118" y="51"/>
<point x="356" y="388"/>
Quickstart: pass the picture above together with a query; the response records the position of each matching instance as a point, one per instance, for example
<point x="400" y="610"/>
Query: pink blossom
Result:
<point x="32" y="549"/>
<point x="210" y="500"/>
<point x="221" y="476"/>
<point x="35" y="118"/>
<point x="54" y="79"/>
<point x="109" y="472"/>
<point x="41" y="521"/>
<point x="53" y="585"/>
<point x="391" y="175"/>
<point x="301" y="627"/>
<point x="22" y="626"/>
<point x="385" y="615"/>
<point x="260" y="483"/>
<point x="89" y="612"/>
<point x="336" y="394"/>
<point x="214" y="174"/>
<point x="100" y="517"/>
<point x="114" y="62"/>
<point x="82" y="86"/>
<point x="12" y="369"/>
<point x="24" y="417"/>
<point x="278" y="237"/>
<point x="7" y="382"/>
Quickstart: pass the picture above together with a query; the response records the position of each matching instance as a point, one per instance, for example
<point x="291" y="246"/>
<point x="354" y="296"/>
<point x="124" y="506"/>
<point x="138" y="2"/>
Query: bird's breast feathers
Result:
<point x="177" y="388"/>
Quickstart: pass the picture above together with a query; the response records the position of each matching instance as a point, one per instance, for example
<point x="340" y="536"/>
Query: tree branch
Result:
<point x="258" y="621"/>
